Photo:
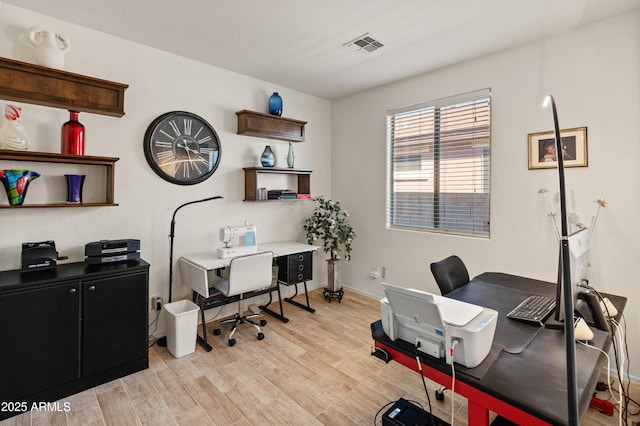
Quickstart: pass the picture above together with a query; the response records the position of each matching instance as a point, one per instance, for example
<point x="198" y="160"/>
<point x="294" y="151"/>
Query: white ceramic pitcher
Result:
<point x="50" y="47"/>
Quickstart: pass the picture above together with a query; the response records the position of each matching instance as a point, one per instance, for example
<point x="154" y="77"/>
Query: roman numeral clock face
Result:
<point x="182" y="148"/>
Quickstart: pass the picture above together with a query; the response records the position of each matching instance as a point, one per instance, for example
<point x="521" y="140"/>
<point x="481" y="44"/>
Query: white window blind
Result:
<point x="438" y="168"/>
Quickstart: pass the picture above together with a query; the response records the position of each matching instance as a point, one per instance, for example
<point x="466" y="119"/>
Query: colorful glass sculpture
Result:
<point x="12" y="133"/>
<point x="16" y="183"/>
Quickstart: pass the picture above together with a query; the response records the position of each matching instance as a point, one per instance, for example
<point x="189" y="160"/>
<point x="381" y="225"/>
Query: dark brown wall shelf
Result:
<point x="51" y="157"/>
<point x="269" y="126"/>
<point x="251" y="180"/>
<point x="35" y="84"/>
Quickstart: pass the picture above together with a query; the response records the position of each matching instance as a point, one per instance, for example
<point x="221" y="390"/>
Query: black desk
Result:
<point x="527" y="382"/>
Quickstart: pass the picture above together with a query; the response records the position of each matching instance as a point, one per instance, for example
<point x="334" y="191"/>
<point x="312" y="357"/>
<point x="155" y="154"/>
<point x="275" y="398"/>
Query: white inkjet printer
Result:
<point x="433" y="323"/>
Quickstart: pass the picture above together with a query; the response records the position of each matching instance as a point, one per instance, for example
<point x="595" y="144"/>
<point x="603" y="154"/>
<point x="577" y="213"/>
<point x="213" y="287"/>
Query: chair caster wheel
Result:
<point x="232" y="342"/>
<point x="263" y="322"/>
<point x="260" y="336"/>
<point x="216" y="331"/>
<point x="440" y="394"/>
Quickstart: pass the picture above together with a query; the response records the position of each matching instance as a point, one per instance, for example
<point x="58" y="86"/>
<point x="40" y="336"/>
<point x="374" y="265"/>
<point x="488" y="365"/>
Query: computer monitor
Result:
<point x="578" y="265"/>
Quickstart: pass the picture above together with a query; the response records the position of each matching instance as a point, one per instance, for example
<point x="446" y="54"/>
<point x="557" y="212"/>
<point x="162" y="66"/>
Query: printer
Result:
<point x="433" y="322"/>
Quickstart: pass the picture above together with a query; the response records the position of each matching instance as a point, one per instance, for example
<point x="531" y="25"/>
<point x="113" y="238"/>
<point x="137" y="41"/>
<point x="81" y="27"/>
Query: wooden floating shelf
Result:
<point x="52" y="157"/>
<point x="35" y="84"/>
<point x="40" y="206"/>
<point x="269" y="126"/>
<point x="251" y="181"/>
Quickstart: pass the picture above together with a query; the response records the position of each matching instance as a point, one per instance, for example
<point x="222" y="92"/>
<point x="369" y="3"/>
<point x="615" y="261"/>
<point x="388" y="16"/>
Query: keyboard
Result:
<point x="534" y="310"/>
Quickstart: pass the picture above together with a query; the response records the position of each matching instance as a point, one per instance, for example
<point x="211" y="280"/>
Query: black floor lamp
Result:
<point x="172" y="233"/>
<point x="572" y="385"/>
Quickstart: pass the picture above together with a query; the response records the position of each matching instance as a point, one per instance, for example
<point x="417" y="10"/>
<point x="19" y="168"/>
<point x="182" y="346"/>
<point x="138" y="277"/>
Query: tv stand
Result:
<point x="592" y="312"/>
<point x="553" y="324"/>
<point x="589" y="309"/>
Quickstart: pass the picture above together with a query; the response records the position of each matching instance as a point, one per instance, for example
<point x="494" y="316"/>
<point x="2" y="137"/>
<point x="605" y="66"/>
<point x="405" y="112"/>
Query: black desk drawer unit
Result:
<point x="295" y="268"/>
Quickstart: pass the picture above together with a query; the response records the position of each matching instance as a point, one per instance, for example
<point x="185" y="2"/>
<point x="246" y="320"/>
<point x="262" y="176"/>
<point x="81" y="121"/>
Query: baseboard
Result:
<point x="364" y="293"/>
<point x="614" y="375"/>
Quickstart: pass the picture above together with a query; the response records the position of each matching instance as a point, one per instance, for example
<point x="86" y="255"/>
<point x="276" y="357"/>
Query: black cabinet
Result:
<point x="295" y="268"/>
<point x="114" y="324"/>
<point x="70" y="329"/>
<point x="35" y="323"/>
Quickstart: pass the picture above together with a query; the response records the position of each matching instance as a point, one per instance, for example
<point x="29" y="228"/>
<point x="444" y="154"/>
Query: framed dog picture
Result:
<point x="542" y="149"/>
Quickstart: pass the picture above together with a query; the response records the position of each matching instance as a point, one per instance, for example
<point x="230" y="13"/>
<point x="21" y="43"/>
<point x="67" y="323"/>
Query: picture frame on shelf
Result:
<point x="542" y="149"/>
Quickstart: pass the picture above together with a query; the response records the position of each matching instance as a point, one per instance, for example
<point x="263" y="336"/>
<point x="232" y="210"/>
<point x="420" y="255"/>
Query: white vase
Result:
<point x="12" y="133"/>
<point x="290" y="157"/>
<point x="50" y="47"/>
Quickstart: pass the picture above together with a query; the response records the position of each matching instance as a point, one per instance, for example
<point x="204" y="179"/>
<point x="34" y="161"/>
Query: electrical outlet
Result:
<point x="384" y="272"/>
<point x="373" y="273"/>
<point x="156" y="303"/>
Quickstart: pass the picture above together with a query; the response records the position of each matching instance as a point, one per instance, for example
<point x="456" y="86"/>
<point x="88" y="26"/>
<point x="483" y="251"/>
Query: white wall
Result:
<point x="158" y="82"/>
<point x="593" y="74"/>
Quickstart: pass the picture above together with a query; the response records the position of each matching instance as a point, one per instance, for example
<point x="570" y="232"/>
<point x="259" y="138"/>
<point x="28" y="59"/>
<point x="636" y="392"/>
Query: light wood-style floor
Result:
<point x="316" y="369"/>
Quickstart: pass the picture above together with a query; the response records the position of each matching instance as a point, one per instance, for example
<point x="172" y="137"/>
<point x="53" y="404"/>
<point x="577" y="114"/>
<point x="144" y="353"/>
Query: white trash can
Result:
<point x="182" y="327"/>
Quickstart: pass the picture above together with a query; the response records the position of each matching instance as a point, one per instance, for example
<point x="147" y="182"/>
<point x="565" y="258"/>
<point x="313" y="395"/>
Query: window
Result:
<point x="438" y="168"/>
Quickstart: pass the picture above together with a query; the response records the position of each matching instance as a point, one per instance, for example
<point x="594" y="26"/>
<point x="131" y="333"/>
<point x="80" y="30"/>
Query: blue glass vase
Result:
<point x="268" y="158"/>
<point x="275" y="104"/>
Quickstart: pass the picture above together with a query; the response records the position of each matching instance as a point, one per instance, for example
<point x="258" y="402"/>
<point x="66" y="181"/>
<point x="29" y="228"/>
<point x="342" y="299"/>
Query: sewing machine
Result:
<point x="238" y="240"/>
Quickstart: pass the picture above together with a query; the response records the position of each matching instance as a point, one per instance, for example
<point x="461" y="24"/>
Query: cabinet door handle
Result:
<point x="72" y="291"/>
<point x="300" y="277"/>
<point x="300" y="267"/>
<point x="300" y="258"/>
<point x="92" y="288"/>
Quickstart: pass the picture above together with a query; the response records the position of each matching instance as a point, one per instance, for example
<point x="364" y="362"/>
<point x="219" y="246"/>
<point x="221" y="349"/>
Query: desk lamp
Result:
<point x="172" y="233"/>
<point x="572" y="385"/>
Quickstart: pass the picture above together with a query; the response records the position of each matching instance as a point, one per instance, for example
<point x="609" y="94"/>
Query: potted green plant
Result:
<point x="330" y="223"/>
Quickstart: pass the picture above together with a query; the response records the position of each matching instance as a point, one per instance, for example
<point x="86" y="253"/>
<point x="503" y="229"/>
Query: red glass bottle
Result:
<point x="72" y="135"/>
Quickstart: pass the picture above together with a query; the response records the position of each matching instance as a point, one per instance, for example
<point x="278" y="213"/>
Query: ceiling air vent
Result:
<point x="364" y="44"/>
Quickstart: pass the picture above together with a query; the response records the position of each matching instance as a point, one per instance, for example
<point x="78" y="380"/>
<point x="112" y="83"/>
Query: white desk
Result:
<point x="195" y="269"/>
<point x="209" y="261"/>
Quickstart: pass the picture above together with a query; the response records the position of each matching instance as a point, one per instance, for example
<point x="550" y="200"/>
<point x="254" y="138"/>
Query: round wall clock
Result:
<point x="182" y="148"/>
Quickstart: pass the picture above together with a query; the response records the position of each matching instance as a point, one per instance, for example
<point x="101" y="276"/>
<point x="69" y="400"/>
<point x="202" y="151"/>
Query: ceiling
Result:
<point x="298" y="44"/>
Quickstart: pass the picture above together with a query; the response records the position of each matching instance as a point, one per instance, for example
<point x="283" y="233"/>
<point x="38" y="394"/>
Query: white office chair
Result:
<point x="246" y="274"/>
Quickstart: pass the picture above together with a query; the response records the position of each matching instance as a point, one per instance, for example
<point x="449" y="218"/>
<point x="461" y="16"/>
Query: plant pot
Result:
<point x="333" y="275"/>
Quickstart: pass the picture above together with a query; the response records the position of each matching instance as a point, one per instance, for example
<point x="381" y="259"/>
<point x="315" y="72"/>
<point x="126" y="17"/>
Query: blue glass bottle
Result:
<point x="268" y="158"/>
<point x="275" y="104"/>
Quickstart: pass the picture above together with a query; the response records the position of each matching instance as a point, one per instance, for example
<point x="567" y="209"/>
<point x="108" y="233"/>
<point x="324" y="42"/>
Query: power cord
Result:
<point x="604" y="386"/>
<point x="621" y="352"/>
<point x="381" y="354"/>
<point x="153" y="339"/>
<point x="375" y="418"/>
<point x="424" y="384"/>
<point x="454" y="342"/>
